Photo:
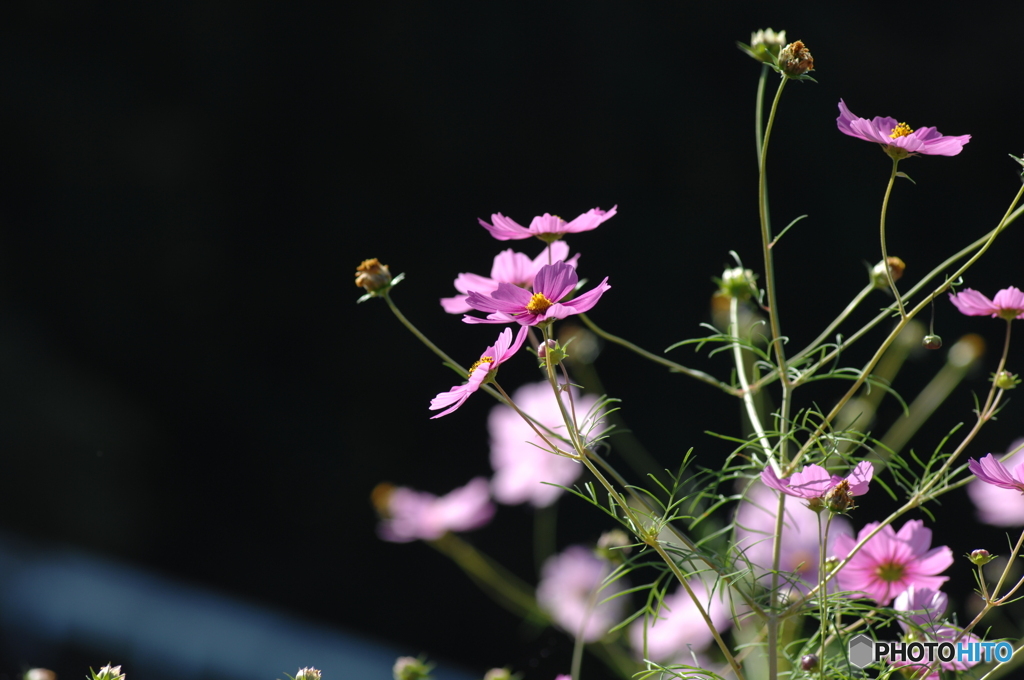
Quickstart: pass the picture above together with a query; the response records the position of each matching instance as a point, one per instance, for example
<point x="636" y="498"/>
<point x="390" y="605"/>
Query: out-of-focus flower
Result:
<point x="923" y="621"/>
<point x="897" y="139"/>
<point x="411" y="668"/>
<point x="998" y="505"/>
<point x="896" y="268"/>
<point x="795" y="59"/>
<point x="765" y="45"/>
<point x="508" y="267"/>
<point x="547" y="227"/>
<point x="1008" y="303"/>
<point x="409" y="515"/>
<point x="40" y="674"/>
<point x="680" y="631"/>
<point x="814" y="482"/>
<point x="553" y="282"/>
<point x="520" y="457"/>
<point x="570" y="590"/>
<point x="737" y="282"/>
<point x="308" y="673"/>
<point x="500" y="674"/>
<point x="892" y="561"/>
<point x="480" y="372"/>
<point x="799" y="550"/>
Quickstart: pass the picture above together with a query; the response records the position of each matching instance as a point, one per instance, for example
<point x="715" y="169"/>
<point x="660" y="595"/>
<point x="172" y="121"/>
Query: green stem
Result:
<point x="885" y="255"/>
<point x="422" y="338"/>
<point x="741" y="374"/>
<point x="860" y="297"/>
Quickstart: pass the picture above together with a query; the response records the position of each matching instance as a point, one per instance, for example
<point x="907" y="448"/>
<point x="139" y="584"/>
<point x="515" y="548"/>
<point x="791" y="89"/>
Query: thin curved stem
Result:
<point x="885" y="254"/>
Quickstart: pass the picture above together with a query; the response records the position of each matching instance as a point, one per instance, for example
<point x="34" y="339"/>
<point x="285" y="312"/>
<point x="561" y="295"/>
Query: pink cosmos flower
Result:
<point x="547" y="227"/>
<point x="553" y="282"/>
<point x="892" y="561"/>
<point x="799" y="551"/>
<point x="680" y="631"/>
<point x="998" y="505"/>
<point x="815" y="482"/>
<point x="410" y="515"/>
<point x="519" y="456"/>
<point x="925" y="608"/>
<point x="480" y="372"/>
<point x="889" y="133"/>
<point x="570" y="589"/>
<point x="509" y="267"/>
<point x="1008" y="303"/>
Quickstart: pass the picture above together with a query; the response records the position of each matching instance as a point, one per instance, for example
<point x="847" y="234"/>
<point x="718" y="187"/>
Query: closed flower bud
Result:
<point x="614" y="545"/>
<point x="40" y="674"/>
<point x="373" y="276"/>
<point x="896" y="268"/>
<point x="1005" y="380"/>
<point x="931" y="341"/>
<point x="309" y="673"/>
<point x="411" y="668"/>
<point x="499" y="674"/>
<point x="765" y="45"/>
<point x="809" y="662"/>
<point x="839" y="499"/>
<point x="737" y="282"/>
<point x="980" y="557"/>
<point x="108" y="672"/>
<point x="556" y="351"/>
<point x="795" y="59"/>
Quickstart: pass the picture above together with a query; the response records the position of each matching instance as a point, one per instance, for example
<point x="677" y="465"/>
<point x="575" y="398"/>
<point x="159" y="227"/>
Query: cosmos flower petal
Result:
<point x="991" y="471"/>
<point x="973" y="303"/>
<point x="860" y="477"/>
<point x="924" y="140"/>
<point x="505" y="229"/>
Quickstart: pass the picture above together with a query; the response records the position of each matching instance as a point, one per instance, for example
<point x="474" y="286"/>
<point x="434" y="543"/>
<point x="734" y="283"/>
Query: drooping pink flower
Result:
<point x="924" y="622"/>
<point x="480" y="372"/>
<point x="991" y="471"/>
<point x="892" y="561"/>
<point x="410" y="515"/>
<point x="547" y="227"/>
<point x="889" y="133"/>
<point x="521" y="461"/>
<point x="799" y="551"/>
<point x="1008" y="303"/>
<point x="814" y="481"/>
<point x="998" y="505"/>
<point x="508" y="267"/>
<point x="572" y="586"/>
<point x="680" y="631"/>
<point x="553" y="282"/>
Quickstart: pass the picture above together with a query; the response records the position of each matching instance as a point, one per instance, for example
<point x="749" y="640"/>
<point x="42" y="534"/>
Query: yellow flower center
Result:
<point x="538" y="304"/>
<point x="901" y="130"/>
<point x="890" y="572"/>
<point x="485" y="360"/>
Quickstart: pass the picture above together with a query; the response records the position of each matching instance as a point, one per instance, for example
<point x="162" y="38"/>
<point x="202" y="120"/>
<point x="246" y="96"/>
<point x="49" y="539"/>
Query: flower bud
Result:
<point x="980" y="557"/>
<point x="498" y="674"/>
<point x="795" y="59"/>
<point x="551" y="347"/>
<point x="614" y="545"/>
<point x="737" y="282"/>
<point x="108" y="672"/>
<point x="809" y="662"/>
<point x="309" y="673"/>
<point x="931" y="341"/>
<point x="373" y="276"/>
<point x="765" y="45"/>
<point x="411" y="668"/>
<point x="839" y="499"/>
<point x="1005" y="380"/>
<point x="40" y="674"/>
<point x="896" y="268"/>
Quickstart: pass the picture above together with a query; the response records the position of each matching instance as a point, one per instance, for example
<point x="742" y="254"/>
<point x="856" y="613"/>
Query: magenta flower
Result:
<point x="509" y="267"/>
<point x="998" y="505"/>
<point x="547" y="227"/>
<point x="924" y="609"/>
<point x="991" y="471"/>
<point x="892" y="561"/>
<point x="1008" y="303"/>
<point x="480" y="372"/>
<point x="814" y="481"/>
<point x="799" y="549"/>
<point x="522" y="464"/>
<point x="897" y="137"/>
<point x="572" y="591"/>
<point x="411" y="515"/>
<point x="553" y="282"/>
<point x="680" y="631"/>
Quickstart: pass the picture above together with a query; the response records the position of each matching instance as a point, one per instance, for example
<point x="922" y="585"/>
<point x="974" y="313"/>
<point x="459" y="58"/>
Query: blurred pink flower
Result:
<point x="998" y="505"/>
<point x="546" y="227"/>
<point x="480" y="372"/>
<point x="889" y="133"/>
<point x="1007" y="304"/>
<point x="892" y="561"/>
<point x="509" y="267"/>
<point x="570" y="589"/>
<point x="991" y="471"/>
<point x="926" y="608"/>
<point x="814" y="481"/>
<point x="679" y="631"/>
<point x="519" y="456"/>
<point x="410" y="515"/>
<point x="508" y="303"/>
<point x="800" y="553"/>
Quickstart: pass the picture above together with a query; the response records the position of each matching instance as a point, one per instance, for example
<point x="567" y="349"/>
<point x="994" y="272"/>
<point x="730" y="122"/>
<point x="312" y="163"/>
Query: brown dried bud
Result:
<point x="896" y="268"/>
<point x="372" y="275"/>
<point x="795" y="59"/>
<point x="839" y="498"/>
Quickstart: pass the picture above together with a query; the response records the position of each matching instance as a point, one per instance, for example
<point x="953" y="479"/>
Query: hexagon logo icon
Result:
<point x="860" y="648"/>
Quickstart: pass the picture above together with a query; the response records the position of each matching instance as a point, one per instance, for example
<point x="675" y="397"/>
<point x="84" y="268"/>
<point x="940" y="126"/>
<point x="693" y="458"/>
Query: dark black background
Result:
<point x="188" y="384"/>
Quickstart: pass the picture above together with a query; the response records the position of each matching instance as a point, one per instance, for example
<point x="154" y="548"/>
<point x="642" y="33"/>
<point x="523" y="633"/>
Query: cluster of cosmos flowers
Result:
<point x="893" y="567"/>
